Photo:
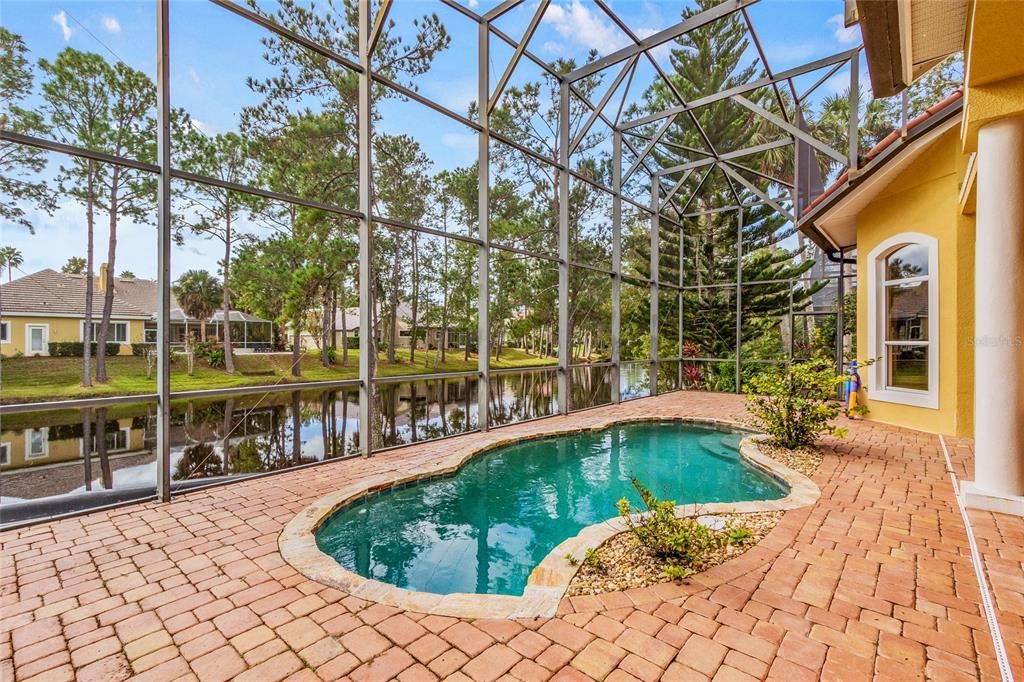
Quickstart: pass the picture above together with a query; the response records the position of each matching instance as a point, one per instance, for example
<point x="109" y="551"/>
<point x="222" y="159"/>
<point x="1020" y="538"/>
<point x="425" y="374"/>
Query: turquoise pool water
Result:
<point x="485" y="528"/>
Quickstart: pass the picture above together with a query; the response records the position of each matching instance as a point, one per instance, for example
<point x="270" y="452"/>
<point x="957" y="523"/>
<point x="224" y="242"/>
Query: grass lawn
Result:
<point x="29" y="379"/>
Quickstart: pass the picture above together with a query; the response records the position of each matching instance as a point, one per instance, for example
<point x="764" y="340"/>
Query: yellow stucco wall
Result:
<point x="925" y="199"/>
<point x="60" y="329"/>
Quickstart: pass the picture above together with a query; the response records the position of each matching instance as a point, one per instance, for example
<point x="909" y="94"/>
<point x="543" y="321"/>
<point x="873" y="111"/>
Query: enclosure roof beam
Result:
<point x="675" y="187"/>
<point x="520" y="48"/>
<point x="753" y="188"/>
<point x="280" y="30"/>
<point x="770" y="178"/>
<point x="602" y="104"/>
<point x="696" y="191"/>
<point x="739" y="153"/>
<point x="554" y="74"/>
<point x="378" y="24"/>
<point x="791" y="129"/>
<point x="767" y="66"/>
<point x="648" y="149"/>
<point x="708" y="16"/>
<point x="839" y="58"/>
<point x="501" y="9"/>
<point x="661" y="74"/>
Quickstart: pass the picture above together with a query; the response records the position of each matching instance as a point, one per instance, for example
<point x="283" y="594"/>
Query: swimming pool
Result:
<point x="485" y="528"/>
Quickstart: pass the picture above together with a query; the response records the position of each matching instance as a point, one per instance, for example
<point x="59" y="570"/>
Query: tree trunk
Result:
<point x="325" y="304"/>
<point x="344" y="320"/>
<point x="87" y="447"/>
<point x="108" y="294"/>
<point x="106" y="476"/>
<point x="396" y="278"/>
<point x="229" y="361"/>
<point x="296" y="356"/>
<point x="89" y="284"/>
<point x="296" y="428"/>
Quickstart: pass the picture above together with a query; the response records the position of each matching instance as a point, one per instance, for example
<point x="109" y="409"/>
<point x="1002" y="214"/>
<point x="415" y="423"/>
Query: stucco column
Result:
<point x="999" y="321"/>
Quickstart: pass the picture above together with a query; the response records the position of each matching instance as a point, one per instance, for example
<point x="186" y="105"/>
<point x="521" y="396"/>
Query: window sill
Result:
<point x="911" y="398"/>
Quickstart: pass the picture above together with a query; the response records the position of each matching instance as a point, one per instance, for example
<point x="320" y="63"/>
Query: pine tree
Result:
<point x="704" y="62"/>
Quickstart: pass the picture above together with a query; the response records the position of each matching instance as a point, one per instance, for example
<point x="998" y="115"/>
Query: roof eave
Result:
<point x="808" y="223"/>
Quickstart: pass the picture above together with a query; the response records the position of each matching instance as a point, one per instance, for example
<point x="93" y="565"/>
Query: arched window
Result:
<point x="903" y="321"/>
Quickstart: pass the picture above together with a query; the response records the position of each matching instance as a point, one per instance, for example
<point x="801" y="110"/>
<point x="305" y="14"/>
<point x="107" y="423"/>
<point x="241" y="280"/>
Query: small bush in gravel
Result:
<point x="682" y="542"/>
<point x="795" y="404"/>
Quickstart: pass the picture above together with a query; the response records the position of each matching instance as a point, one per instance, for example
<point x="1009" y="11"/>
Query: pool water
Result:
<point x="484" y="529"/>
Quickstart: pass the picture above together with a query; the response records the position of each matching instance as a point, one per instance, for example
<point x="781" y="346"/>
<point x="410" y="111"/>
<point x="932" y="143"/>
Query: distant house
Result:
<point x="348" y="319"/>
<point x="49" y="307"/>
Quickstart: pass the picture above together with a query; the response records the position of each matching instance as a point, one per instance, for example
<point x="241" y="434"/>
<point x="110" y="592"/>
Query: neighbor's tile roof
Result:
<point x="882" y="145"/>
<point x="58" y="293"/>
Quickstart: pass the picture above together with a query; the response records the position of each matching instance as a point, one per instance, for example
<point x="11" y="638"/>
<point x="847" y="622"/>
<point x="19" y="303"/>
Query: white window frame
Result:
<point x="5" y="453"/>
<point x="876" y="385"/>
<point x="123" y="430"/>
<point x="5" y="334"/>
<point x="113" y="324"/>
<point x="28" y="339"/>
<point x="45" y="432"/>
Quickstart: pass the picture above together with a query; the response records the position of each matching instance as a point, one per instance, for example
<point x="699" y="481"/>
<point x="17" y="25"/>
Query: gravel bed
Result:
<point x="621" y="563"/>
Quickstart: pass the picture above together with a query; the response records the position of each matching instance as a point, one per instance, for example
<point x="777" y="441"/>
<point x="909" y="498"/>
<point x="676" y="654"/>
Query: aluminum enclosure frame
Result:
<point x="666" y="206"/>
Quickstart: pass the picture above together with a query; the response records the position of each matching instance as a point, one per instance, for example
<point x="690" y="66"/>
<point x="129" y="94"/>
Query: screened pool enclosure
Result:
<point x="627" y="225"/>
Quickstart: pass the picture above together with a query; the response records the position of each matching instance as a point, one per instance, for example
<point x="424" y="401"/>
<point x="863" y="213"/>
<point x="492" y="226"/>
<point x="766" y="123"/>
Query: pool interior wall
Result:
<point x="484" y="528"/>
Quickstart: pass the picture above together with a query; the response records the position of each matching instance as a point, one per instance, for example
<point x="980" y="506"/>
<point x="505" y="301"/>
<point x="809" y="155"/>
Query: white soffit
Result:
<point x="839" y="223"/>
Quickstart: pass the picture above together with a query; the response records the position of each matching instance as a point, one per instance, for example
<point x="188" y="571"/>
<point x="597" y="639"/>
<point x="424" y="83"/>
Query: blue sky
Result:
<point x="212" y="52"/>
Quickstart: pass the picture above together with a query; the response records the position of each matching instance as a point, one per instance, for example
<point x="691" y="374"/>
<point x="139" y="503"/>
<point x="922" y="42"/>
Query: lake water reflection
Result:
<point x="44" y="469"/>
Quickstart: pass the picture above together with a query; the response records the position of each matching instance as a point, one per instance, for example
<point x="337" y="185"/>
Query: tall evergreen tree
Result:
<point x="704" y="62"/>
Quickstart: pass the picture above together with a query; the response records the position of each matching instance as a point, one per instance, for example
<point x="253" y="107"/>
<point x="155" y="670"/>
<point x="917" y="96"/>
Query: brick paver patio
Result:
<point x="875" y="580"/>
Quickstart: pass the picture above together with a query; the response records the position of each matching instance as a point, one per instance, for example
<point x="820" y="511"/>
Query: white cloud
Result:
<point x="575" y="22"/>
<point x="473" y="3"/>
<point x="552" y="47"/>
<point x="61" y="19"/>
<point x="194" y="75"/>
<point x="111" y="24"/>
<point x="460" y="141"/>
<point x="844" y="35"/>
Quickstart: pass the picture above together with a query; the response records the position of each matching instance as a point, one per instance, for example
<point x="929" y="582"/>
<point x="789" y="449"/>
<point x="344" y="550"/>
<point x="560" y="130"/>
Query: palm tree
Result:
<point x="10" y="258"/>
<point x="198" y="292"/>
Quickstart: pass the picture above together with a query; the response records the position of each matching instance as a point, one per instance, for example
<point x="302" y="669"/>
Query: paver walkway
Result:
<point x="875" y="580"/>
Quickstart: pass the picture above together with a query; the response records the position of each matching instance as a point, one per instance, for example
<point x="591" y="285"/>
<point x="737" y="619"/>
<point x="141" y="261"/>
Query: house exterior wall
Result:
<point x="61" y="329"/>
<point x="925" y="199"/>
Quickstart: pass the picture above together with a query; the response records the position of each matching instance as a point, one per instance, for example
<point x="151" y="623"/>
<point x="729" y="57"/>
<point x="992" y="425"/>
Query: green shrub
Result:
<point x="332" y="354"/>
<point x="682" y="541"/>
<point x="75" y="349"/>
<point x="795" y="404"/>
<point x="139" y="350"/>
<point x="201" y="350"/>
<point x="738" y="535"/>
<point x="592" y="558"/>
<point x="215" y="358"/>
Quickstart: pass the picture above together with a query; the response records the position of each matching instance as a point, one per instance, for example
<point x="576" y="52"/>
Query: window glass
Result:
<point x="907" y="311"/>
<point x="118" y="332"/>
<point x="907" y="261"/>
<point x="5" y="453"/>
<point x="5" y="332"/>
<point x="36" y="443"/>
<point x="907" y="367"/>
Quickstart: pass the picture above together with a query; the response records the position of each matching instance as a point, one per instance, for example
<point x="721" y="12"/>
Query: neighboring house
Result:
<point x="49" y="307"/>
<point x="933" y="219"/>
<point x="431" y="335"/>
